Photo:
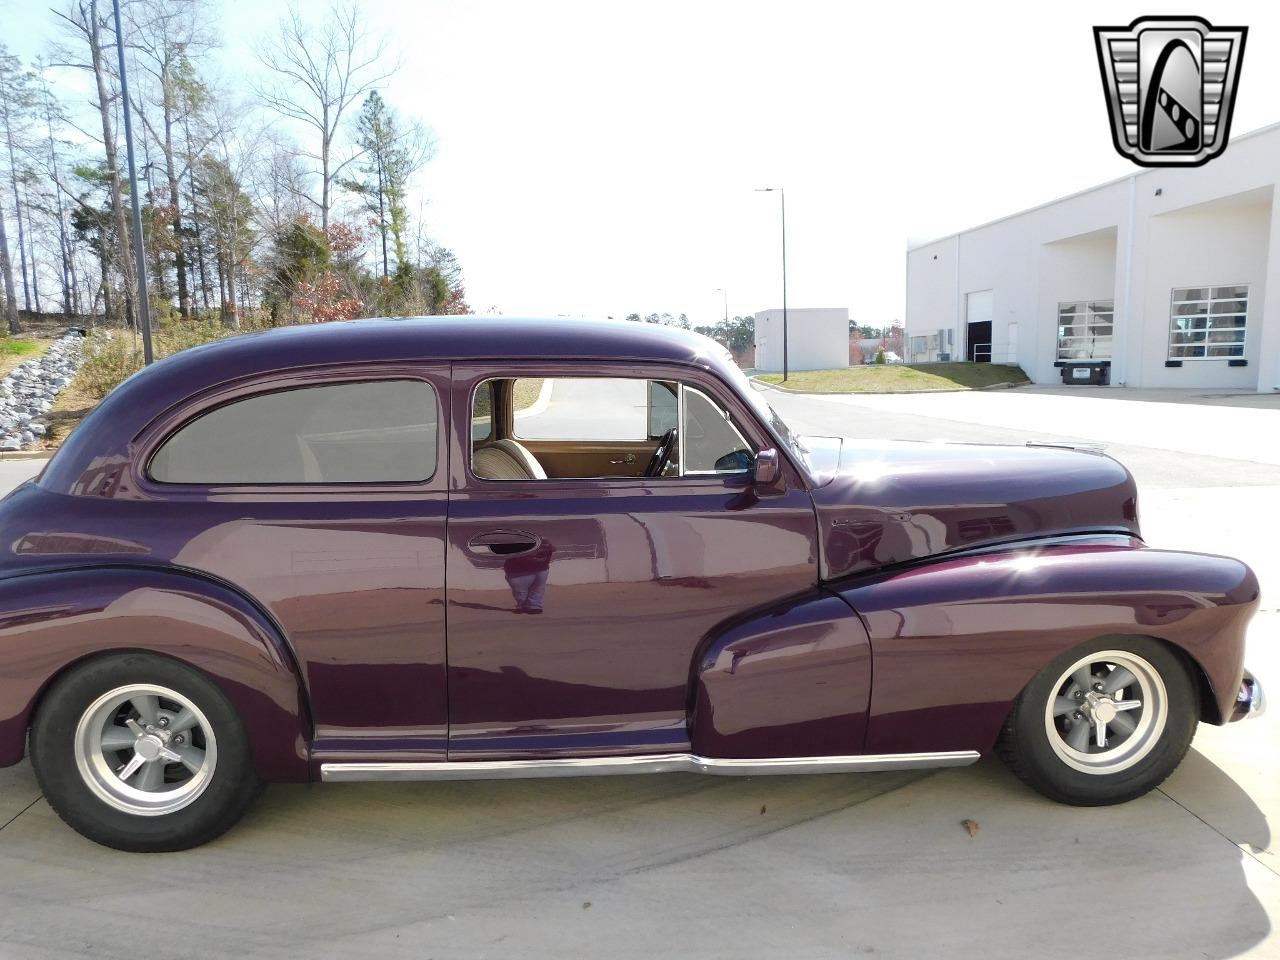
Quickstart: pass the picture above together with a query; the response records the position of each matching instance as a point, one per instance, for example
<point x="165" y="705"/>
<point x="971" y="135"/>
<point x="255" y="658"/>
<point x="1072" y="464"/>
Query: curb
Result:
<point x="25" y="455"/>
<point x="885" y="393"/>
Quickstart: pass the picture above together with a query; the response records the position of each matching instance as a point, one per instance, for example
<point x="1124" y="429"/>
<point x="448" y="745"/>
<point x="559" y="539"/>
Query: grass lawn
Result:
<point x="900" y="378"/>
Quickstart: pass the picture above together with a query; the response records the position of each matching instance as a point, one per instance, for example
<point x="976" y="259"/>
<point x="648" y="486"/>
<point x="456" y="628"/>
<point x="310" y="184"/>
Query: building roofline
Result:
<point x="1146" y="171"/>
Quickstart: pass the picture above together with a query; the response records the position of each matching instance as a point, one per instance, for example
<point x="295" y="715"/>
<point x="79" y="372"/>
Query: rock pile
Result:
<point x="27" y="394"/>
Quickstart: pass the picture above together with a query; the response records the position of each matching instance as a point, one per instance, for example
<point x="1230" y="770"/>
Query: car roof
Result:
<point x="108" y="431"/>
<point x="455" y="338"/>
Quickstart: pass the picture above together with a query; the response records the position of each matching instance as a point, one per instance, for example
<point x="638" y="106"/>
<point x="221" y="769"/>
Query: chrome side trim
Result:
<point x="645" y="763"/>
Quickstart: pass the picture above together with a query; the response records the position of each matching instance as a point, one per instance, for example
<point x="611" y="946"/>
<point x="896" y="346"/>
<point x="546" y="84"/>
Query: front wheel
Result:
<point x="1103" y="723"/>
<point x="142" y="753"/>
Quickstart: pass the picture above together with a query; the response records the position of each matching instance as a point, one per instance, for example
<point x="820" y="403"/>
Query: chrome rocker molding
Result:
<point x="647" y="763"/>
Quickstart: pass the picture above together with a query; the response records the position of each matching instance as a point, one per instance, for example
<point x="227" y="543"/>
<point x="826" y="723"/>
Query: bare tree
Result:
<point x="17" y="105"/>
<point x="318" y="72"/>
<point x="6" y="269"/>
<point x="168" y="35"/>
<point x="83" y="22"/>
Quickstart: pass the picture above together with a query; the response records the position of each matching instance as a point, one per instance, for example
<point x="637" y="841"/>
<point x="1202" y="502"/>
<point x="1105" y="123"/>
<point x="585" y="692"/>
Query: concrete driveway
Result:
<point x="681" y="866"/>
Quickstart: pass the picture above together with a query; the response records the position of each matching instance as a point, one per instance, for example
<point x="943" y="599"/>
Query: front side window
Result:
<point x="1208" y="323"/>
<point x="373" y="432"/>
<point x="1085" y="329"/>
<point x="598" y="427"/>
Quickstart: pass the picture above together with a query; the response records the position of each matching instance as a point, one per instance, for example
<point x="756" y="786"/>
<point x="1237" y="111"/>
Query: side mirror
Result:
<point x="766" y="469"/>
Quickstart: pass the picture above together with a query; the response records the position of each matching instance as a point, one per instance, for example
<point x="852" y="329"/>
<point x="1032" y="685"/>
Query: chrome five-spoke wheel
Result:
<point x="1106" y="712"/>
<point x="145" y="749"/>
<point x="1103" y="723"/>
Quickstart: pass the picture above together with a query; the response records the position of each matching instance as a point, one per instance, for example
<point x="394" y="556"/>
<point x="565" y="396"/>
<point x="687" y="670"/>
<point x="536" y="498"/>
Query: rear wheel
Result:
<point x="1103" y="723"/>
<point x="143" y="753"/>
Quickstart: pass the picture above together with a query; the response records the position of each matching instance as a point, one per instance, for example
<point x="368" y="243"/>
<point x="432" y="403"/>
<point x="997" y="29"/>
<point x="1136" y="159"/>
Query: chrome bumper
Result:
<point x="1250" y="700"/>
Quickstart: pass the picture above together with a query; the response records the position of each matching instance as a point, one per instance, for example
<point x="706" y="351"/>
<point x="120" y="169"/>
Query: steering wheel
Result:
<point x="662" y="456"/>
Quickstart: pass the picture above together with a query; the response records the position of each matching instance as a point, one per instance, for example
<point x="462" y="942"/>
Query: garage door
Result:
<point x="978" y="310"/>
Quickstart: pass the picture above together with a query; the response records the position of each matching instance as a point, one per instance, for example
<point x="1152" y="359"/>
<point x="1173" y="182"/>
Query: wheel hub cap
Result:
<point x="1100" y="709"/>
<point x="148" y="747"/>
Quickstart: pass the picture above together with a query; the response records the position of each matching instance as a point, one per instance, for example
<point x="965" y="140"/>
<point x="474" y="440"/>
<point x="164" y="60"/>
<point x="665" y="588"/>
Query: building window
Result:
<point x="1084" y="329"/>
<point x="1207" y="323"/>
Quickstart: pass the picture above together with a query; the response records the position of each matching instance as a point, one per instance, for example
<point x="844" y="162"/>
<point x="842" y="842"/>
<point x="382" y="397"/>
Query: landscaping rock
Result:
<point x="30" y="390"/>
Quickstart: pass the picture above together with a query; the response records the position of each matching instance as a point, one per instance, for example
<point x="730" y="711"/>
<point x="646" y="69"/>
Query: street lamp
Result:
<point x="783" y="195"/>
<point x="726" y="302"/>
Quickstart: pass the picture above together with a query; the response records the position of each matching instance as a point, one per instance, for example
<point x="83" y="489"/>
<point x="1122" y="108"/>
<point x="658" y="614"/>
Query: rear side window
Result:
<point x="377" y="432"/>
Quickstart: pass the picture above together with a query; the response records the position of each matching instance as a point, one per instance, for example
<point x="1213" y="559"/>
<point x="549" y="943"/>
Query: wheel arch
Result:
<point x="55" y="620"/>
<point x="1206" y="700"/>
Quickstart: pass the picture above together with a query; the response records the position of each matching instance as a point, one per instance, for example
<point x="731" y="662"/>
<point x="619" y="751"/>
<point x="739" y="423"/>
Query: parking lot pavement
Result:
<point x="682" y="866"/>
<point x="1186" y="423"/>
<point x="14" y="471"/>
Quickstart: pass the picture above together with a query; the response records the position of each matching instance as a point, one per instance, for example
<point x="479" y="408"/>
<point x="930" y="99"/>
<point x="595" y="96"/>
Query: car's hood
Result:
<point x="889" y="502"/>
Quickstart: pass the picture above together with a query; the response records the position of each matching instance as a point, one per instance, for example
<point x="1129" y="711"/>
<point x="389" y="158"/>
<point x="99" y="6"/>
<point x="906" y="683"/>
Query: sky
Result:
<point x="602" y="158"/>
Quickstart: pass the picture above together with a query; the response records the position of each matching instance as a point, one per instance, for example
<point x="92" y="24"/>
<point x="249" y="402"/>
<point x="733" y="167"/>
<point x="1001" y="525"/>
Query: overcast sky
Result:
<point x="599" y="158"/>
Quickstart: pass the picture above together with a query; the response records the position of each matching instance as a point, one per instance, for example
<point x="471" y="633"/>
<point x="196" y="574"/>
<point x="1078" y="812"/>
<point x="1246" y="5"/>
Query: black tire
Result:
<point x="1025" y="744"/>
<point x="230" y="788"/>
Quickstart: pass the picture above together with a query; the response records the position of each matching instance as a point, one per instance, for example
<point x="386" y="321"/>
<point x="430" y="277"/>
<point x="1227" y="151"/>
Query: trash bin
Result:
<point x="1097" y="374"/>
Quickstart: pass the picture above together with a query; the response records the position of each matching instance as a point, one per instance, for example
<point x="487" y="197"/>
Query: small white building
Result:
<point x="1159" y="279"/>
<point x="817" y="338"/>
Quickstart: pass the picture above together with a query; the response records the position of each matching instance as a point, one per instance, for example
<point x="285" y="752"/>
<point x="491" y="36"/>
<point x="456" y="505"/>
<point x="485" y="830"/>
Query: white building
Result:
<point x="1156" y="280"/>
<point x="817" y="338"/>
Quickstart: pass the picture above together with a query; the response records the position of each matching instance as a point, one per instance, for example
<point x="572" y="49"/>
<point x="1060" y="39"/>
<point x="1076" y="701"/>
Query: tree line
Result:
<point x="273" y="200"/>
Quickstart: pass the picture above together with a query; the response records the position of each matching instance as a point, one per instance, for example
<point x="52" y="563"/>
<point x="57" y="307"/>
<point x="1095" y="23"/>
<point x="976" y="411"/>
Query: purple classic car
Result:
<point x="452" y="548"/>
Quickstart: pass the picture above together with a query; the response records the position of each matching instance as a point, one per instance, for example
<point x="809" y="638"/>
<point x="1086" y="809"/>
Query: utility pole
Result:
<point x="783" y="194"/>
<point x="140" y="257"/>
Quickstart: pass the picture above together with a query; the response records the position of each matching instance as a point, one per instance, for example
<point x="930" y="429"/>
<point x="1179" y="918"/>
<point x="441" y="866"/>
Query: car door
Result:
<point x="322" y="495"/>
<point x="576" y="607"/>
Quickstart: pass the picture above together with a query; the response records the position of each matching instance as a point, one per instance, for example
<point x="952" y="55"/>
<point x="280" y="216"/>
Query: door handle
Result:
<point x="505" y="542"/>
<point x="629" y="458"/>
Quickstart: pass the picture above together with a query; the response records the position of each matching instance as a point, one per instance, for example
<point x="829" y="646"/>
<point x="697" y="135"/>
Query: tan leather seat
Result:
<point x="506" y="460"/>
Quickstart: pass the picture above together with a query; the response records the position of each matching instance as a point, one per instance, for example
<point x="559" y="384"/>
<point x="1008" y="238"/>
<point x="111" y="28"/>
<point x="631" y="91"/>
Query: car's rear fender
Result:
<point x="955" y="641"/>
<point x="54" y="619"/>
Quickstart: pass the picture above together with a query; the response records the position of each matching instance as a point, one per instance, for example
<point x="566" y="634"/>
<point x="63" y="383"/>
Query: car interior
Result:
<point x="598" y="427"/>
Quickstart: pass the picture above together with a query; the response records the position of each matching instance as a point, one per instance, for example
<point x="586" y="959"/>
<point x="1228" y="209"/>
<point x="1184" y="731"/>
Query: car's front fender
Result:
<point x="789" y="681"/>
<point x="53" y="619"/>
<point x="954" y="641"/>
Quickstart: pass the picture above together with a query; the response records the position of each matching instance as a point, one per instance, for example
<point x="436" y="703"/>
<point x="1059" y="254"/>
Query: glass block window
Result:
<point x="1085" y="329"/>
<point x="1207" y="323"/>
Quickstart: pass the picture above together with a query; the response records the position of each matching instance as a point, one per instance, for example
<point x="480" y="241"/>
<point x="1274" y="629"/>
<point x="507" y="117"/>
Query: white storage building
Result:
<point x="1159" y="279"/>
<point x="817" y="338"/>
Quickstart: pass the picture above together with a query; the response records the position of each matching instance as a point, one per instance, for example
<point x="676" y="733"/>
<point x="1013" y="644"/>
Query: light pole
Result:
<point x="783" y="195"/>
<point x="726" y="302"/>
<point x="140" y="256"/>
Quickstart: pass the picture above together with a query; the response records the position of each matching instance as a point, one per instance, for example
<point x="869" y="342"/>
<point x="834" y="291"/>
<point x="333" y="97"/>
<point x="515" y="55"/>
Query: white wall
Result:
<point x="1202" y="247"/>
<point x="818" y="338"/>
